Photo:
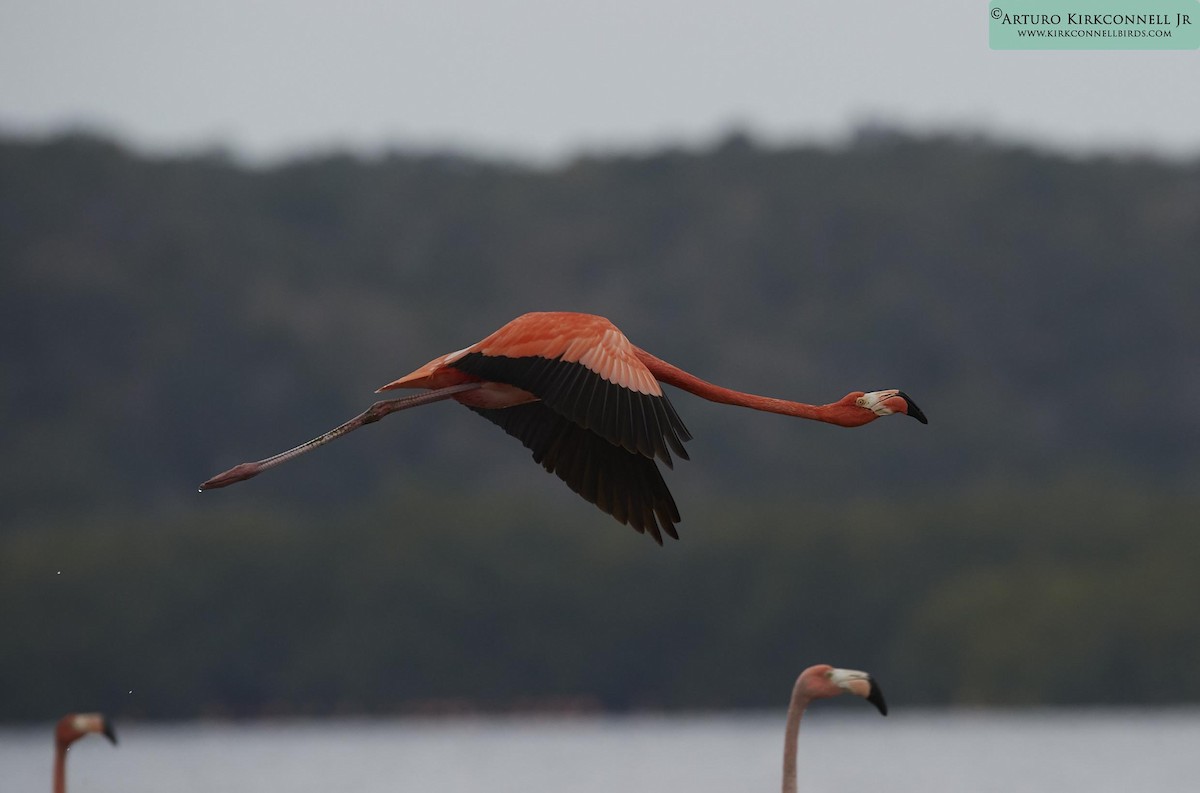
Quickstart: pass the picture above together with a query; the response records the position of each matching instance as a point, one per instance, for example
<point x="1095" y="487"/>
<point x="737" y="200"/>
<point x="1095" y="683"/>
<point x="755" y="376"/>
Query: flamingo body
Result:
<point x="572" y="389"/>
<point x="585" y="339"/>
<point x="590" y="406"/>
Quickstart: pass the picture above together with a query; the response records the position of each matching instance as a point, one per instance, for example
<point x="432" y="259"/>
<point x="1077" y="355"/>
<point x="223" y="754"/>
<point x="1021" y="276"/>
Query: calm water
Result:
<point x="840" y="750"/>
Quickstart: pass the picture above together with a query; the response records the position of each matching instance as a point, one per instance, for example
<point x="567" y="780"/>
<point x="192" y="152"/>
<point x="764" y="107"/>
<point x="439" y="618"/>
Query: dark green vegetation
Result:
<point x="165" y="319"/>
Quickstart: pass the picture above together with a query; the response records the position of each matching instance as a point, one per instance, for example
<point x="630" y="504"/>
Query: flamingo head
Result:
<point x="74" y="726"/>
<point x="824" y="681"/>
<point x="862" y="407"/>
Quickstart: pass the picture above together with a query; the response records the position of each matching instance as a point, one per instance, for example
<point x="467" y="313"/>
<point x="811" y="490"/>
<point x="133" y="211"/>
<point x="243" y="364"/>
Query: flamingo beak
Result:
<point x="861" y="684"/>
<point x="911" y="409"/>
<point x="875" y="697"/>
<point x="109" y="732"/>
<point x="885" y="403"/>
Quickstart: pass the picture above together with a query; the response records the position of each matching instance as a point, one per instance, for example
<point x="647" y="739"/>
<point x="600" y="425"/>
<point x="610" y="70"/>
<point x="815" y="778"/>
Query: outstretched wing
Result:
<point x="623" y="483"/>
<point x="584" y="368"/>
<point x="643" y="423"/>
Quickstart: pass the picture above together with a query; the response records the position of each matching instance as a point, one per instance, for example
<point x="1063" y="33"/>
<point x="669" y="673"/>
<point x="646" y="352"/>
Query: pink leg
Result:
<point x="369" y="416"/>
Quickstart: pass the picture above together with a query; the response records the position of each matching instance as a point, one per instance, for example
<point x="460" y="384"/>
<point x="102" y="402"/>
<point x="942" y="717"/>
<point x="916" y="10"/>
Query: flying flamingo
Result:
<point x="589" y="405"/>
<point x="70" y="729"/>
<point x="821" y="682"/>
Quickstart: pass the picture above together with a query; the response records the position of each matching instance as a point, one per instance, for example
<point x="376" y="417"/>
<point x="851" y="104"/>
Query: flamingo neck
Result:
<point x="673" y="375"/>
<point x="791" y="736"/>
<point x="60" y="767"/>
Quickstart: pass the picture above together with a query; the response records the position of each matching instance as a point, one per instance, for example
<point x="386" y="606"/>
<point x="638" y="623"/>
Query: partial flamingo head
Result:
<point x="824" y="681"/>
<point x="863" y="407"/>
<point x="74" y="726"/>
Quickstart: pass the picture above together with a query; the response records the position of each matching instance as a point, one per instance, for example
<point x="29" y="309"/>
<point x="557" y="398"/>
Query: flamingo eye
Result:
<point x="861" y="402"/>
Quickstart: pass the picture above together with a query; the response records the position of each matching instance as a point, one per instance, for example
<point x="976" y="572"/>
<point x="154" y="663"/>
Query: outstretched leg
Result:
<point x="369" y="416"/>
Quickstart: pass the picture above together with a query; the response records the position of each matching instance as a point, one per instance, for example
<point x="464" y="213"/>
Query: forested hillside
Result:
<point x="163" y="319"/>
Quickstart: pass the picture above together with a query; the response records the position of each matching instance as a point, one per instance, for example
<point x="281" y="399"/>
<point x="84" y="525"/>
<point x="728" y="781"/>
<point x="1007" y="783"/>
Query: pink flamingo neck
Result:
<point x="673" y="375"/>
<point x="60" y="767"/>
<point x="791" y="736"/>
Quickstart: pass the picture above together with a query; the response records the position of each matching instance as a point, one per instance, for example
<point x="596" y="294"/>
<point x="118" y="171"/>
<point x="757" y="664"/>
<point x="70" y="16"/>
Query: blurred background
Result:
<point x="222" y="227"/>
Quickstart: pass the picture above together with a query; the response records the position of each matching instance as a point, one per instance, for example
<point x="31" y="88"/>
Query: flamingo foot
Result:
<point x="238" y="473"/>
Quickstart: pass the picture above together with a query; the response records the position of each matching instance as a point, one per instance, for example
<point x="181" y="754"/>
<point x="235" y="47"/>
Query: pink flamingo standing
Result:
<point x="70" y="729"/>
<point x="589" y="405"/>
<point x="822" y="682"/>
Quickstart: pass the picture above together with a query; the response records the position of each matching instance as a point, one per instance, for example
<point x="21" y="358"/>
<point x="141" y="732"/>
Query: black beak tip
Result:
<point x="913" y="410"/>
<point x="110" y="733"/>
<point x="876" y="698"/>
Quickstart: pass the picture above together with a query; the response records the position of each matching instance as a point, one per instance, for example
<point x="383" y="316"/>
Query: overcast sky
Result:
<point x="546" y="79"/>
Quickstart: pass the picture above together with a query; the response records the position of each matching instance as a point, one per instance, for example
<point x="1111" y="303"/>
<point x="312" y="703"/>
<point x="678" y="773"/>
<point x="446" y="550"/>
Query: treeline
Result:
<point x="163" y="319"/>
<point x="1006" y="595"/>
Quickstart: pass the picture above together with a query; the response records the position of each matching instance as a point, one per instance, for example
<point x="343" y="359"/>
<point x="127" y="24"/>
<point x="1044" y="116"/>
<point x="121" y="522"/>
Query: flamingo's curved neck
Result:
<point x="673" y="375"/>
<point x="60" y="767"/>
<point x="791" y="737"/>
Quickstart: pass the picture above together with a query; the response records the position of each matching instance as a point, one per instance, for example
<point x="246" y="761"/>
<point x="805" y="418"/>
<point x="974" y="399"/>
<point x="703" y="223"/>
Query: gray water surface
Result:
<point x="841" y="749"/>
